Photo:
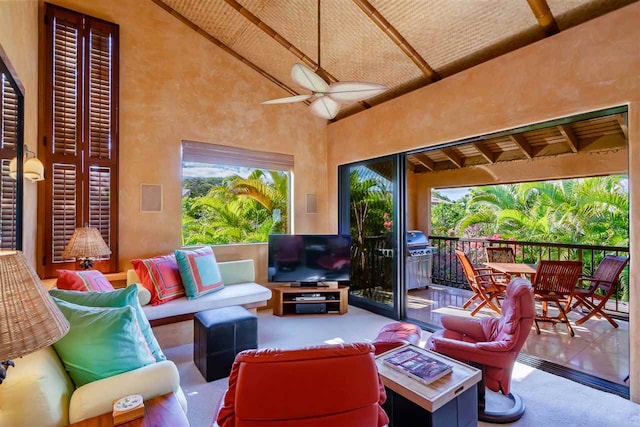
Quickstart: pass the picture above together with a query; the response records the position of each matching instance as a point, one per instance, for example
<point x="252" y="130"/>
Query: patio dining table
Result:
<point x="513" y="268"/>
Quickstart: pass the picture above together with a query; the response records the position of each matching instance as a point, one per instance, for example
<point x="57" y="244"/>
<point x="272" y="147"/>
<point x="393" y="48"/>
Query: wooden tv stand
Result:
<point x="284" y="302"/>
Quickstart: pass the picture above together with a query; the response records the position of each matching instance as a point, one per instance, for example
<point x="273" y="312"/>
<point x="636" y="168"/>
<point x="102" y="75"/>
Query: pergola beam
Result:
<point x="397" y="38"/>
<point x="488" y="155"/>
<point x="424" y="161"/>
<point x="284" y="42"/>
<point x="545" y="18"/>
<point x="224" y="47"/>
<point x="622" y="121"/>
<point x="523" y="145"/>
<point x="570" y="138"/>
<point x="453" y="157"/>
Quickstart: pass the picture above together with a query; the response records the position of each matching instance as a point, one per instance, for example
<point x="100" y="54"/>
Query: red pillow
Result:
<point x="83" y="280"/>
<point x="160" y="275"/>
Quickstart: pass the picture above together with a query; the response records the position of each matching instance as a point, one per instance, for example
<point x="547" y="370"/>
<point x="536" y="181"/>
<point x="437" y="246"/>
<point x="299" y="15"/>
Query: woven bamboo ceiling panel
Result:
<point x="399" y="43"/>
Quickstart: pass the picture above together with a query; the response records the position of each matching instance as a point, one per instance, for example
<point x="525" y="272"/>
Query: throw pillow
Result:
<point x="101" y="342"/>
<point x="118" y="298"/>
<point x="161" y="277"/>
<point x="83" y="280"/>
<point x="199" y="272"/>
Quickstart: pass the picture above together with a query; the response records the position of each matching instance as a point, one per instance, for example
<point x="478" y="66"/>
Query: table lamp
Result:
<point x="86" y="244"/>
<point x="29" y="319"/>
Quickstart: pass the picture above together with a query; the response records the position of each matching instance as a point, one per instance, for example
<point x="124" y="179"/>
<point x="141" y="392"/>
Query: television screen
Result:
<point x="309" y="258"/>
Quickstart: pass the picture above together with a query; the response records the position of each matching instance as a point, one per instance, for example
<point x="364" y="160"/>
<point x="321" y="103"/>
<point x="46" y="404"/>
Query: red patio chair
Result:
<point x="483" y="283"/>
<point x="604" y="279"/>
<point x="555" y="282"/>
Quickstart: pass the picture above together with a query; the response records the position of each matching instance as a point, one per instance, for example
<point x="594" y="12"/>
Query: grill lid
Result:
<point x="416" y="238"/>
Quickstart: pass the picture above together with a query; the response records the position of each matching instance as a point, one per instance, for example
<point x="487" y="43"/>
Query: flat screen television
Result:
<point x="309" y="258"/>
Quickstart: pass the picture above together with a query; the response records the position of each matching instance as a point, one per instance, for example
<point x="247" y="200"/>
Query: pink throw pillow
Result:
<point x="83" y="280"/>
<point x="160" y="275"/>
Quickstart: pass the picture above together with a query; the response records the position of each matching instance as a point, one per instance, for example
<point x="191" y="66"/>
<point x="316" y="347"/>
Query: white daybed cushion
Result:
<point x="238" y="294"/>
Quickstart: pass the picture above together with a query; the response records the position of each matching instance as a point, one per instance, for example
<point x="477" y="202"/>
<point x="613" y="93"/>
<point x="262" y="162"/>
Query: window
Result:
<point x="81" y="133"/>
<point x="11" y="120"/>
<point x="233" y="195"/>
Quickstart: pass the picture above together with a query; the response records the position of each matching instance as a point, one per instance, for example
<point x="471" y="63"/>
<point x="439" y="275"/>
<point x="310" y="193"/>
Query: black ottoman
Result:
<point x="218" y="335"/>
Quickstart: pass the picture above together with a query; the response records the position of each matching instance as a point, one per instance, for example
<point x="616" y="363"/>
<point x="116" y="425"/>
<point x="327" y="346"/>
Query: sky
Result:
<point x="454" y="193"/>
<point x="204" y="170"/>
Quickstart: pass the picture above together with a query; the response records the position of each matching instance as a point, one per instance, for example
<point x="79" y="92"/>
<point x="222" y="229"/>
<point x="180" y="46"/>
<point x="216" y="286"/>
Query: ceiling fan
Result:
<point x="328" y="96"/>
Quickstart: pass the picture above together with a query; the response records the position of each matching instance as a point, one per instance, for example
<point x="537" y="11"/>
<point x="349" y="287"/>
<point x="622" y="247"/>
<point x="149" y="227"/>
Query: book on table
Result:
<point x="418" y="365"/>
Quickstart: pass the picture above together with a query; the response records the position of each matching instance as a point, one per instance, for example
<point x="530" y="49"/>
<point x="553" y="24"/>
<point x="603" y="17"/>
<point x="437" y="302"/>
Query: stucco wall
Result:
<point x="19" y="39"/>
<point x="176" y="85"/>
<point x="590" y="67"/>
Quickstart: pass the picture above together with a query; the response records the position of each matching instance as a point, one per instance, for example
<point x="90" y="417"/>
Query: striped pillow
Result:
<point x="161" y="277"/>
<point x="85" y="280"/>
<point x="199" y="271"/>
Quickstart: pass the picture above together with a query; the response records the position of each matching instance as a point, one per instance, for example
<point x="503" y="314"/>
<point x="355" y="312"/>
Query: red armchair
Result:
<point x="332" y="385"/>
<point x="492" y="343"/>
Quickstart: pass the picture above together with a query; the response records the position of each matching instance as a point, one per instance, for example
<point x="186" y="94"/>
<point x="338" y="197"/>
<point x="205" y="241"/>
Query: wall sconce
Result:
<point x="33" y="168"/>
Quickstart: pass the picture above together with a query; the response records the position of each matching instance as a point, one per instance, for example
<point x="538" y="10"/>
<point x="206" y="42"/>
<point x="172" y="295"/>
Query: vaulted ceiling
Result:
<point x="403" y="44"/>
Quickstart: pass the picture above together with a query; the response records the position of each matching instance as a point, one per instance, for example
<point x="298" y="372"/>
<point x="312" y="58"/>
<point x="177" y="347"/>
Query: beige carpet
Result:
<point x="551" y="400"/>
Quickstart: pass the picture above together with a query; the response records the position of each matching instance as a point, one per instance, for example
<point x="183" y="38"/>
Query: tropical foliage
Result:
<point x="235" y="209"/>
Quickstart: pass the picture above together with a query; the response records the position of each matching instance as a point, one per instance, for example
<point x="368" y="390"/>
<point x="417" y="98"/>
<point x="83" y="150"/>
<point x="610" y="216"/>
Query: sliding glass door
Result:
<point x="369" y="206"/>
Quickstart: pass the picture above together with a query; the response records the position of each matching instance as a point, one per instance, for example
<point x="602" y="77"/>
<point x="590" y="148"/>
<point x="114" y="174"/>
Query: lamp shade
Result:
<point x="29" y="319"/>
<point x="33" y="170"/>
<point x="86" y="242"/>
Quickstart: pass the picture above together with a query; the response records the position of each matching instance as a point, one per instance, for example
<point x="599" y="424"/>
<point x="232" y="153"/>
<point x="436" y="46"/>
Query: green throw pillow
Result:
<point x="101" y="343"/>
<point x="119" y="298"/>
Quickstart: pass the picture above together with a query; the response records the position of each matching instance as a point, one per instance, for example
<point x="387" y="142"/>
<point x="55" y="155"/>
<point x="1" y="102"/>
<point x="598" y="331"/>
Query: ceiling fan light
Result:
<point x="325" y="108"/>
<point x="354" y="91"/>
<point x="307" y="79"/>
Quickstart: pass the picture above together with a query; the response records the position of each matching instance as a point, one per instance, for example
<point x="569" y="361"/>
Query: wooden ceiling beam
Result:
<point x="522" y="144"/>
<point x="570" y="138"/>
<point x="424" y="161"/>
<point x="545" y="18"/>
<point x="397" y="38"/>
<point x="622" y="121"/>
<point x="224" y="47"/>
<point x="284" y="42"/>
<point x="453" y="157"/>
<point x="488" y="155"/>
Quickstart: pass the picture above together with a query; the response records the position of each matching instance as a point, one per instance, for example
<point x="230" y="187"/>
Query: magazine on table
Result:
<point x="418" y="365"/>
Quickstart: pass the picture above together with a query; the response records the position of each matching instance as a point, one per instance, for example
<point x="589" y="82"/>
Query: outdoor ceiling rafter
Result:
<point x="397" y="38"/>
<point x="284" y="42"/>
<point x="570" y="138"/>
<point x="522" y="144"/>
<point x="224" y="47"/>
<point x="453" y="157"/>
<point x="545" y="18"/>
<point x="488" y="155"/>
<point x="622" y="121"/>
<point x="425" y="161"/>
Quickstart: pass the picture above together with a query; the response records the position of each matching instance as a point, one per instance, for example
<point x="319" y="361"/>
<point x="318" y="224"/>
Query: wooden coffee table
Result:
<point x="450" y="401"/>
<point x="159" y="411"/>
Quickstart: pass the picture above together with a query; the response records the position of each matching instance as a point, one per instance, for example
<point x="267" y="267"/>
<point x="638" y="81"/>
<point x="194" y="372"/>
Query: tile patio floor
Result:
<point x="597" y="348"/>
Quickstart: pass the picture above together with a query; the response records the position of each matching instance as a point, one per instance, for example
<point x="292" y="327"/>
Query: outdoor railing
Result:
<point x="447" y="271"/>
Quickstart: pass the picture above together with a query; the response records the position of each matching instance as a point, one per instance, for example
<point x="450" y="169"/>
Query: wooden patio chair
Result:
<point x="482" y="281"/>
<point x="500" y="254"/>
<point x="555" y="282"/>
<point x="603" y="280"/>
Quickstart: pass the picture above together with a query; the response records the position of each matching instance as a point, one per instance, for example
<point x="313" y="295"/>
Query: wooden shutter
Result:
<point x="81" y="142"/>
<point x="8" y="150"/>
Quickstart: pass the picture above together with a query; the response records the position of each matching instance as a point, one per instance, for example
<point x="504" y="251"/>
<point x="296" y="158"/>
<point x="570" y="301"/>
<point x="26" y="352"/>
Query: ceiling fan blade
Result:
<point x="354" y="91"/>
<point x="325" y="108"/>
<point x="297" y="98"/>
<point x="306" y="78"/>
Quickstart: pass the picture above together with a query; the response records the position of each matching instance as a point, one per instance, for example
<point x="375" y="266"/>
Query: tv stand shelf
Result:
<point x="285" y="303"/>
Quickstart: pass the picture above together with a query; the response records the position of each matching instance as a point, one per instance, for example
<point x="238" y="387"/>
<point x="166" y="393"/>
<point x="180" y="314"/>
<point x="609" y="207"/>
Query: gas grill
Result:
<point x="419" y="261"/>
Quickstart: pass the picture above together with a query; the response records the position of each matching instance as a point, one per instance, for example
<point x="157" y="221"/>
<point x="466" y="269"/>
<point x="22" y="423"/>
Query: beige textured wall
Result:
<point x="19" y="39"/>
<point x="176" y="85"/>
<point x="593" y="66"/>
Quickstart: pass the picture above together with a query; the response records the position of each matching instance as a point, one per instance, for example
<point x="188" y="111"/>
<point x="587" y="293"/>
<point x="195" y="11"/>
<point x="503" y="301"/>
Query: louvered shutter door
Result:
<point x="8" y="145"/>
<point x="82" y="153"/>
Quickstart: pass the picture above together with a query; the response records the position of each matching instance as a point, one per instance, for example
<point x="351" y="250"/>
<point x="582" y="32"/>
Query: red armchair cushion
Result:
<point x="336" y="385"/>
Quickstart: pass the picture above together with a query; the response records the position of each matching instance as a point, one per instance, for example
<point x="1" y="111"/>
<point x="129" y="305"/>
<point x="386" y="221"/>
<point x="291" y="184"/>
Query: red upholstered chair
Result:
<point x="492" y="343"/>
<point x="331" y="385"/>
<point x="396" y="334"/>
